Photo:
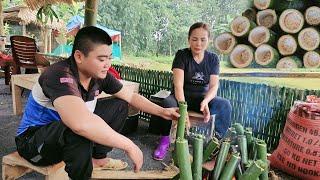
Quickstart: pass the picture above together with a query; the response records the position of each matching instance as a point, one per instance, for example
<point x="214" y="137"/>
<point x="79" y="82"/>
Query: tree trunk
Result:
<point x="91" y="11"/>
<point x="2" y="47"/>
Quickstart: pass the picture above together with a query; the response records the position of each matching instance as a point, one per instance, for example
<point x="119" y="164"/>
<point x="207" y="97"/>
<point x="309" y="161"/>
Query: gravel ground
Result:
<point x="147" y="142"/>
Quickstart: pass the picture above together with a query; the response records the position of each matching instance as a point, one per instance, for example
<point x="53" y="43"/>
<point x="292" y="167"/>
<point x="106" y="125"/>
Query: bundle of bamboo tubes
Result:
<point x="274" y="34"/>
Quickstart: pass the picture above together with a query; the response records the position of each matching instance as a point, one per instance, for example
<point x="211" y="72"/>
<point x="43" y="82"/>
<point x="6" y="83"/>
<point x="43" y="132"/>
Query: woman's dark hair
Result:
<point x="88" y="37"/>
<point x="198" y="25"/>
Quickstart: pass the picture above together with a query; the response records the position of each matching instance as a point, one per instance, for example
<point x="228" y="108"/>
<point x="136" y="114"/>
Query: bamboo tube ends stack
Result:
<point x="311" y="59"/>
<point x="313" y="15"/>
<point x="266" y="55"/>
<point x="287" y="45"/>
<point x="290" y="62"/>
<point x="309" y="39"/>
<point x="224" y="43"/>
<point x="240" y="26"/>
<point x="267" y="18"/>
<point x="241" y="56"/>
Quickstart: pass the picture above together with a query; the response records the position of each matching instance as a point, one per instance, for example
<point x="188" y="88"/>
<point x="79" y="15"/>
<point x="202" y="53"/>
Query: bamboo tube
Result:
<point x="267" y="18"/>
<point x="241" y="26"/>
<point x="291" y="21"/>
<point x="248" y="134"/>
<point x="312" y="15"/>
<point x="266" y="56"/>
<point x="262" y="155"/>
<point x="183" y="159"/>
<point x="242" y="142"/>
<point x="287" y="45"/>
<point x="311" y="59"/>
<point x="210" y="148"/>
<point x="239" y="128"/>
<point x="250" y="13"/>
<point x="254" y="171"/>
<point x="309" y="39"/>
<point x="197" y="158"/>
<point x="289" y="62"/>
<point x="225" y="43"/>
<point x="182" y="120"/>
<point x="241" y="56"/>
<point x="230" y="168"/>
<point x="264" y="4"/>
<point x="221" y="159"/>
<point x="261" y="35"/>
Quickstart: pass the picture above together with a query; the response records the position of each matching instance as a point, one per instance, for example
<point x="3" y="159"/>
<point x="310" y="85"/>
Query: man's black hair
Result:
<point x="88" y="37"/>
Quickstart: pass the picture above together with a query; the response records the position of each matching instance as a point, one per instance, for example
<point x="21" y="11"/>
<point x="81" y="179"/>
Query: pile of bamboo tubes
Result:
<point x="274" y="34"/>
<point x="238" y="154"/>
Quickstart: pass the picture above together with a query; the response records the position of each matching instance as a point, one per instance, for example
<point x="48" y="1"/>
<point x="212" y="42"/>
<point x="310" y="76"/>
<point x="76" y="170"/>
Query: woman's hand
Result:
<point x="204" y="108"/>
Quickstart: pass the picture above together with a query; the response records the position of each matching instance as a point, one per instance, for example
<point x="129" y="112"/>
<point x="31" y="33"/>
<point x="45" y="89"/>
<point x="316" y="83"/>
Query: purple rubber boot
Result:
<point x="162" y="149"/>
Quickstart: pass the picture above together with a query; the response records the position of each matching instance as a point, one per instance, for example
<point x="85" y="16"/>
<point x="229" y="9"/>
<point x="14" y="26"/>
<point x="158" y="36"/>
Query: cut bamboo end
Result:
<point x="263" y="4"/>
<point x="224" y="43"/>
<point x="241" y="56"/>
<point x="266" y="55"/>
<point x="287" y="45"/>
<point x="290" y="62"/>
<point x="267" y="18"/>
<point x="312" y="15"/>
<point x="240" y="26"/>
<point x="259" y="35"/>
<point x="291" y="21"/>
<point x="311" y="59"/>
<point x="309" y="39"/>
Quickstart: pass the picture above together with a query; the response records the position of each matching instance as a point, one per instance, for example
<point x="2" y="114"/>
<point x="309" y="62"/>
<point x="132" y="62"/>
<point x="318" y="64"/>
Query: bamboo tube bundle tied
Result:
<point x="264" y="4"/>
<point x="266" y="56"/>
<point x="287" y="45"/>
<point x="309" y="39"/>
<point x="197" y="158"/>
<point x="311" y="59"/>
<point x="261" y="35"/>
<point x="183" y="159"/>
<point x="290" y="62"/>
<point x="225" y="43"/>
<point x="241" y="56"/>
<point x="291" y="21"/>
<point x="267" y="18"/>
<point x="312" y="15"/>
<point x="241" y="26"/>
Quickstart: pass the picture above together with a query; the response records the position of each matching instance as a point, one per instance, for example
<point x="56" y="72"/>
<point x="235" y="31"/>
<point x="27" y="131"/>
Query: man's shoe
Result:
<point x="162" y="149"/>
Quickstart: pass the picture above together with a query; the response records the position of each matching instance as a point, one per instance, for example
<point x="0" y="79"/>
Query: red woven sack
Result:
<point x="298" y="152"/>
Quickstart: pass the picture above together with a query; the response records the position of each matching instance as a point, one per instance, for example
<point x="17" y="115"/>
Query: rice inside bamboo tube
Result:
<point x="240" y="26"/>
<point x="263" y="4"/>
<point x="224" y="43"/>
<point x="290" y="62"/>
<point x="267" y="18"/>
<point x="266" y="55"/>
<point x="260" y="35"/>
<point x="287" y="45"/>
<point x="291" y="21"/>
<point x="309" y="39"/>
<point x="241" y="56"/>
<point x="311" y="59"/>
<point x="312" y="15"/>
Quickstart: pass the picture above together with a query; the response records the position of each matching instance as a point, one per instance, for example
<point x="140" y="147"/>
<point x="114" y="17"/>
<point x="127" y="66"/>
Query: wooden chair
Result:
<point x="23" y="53"/>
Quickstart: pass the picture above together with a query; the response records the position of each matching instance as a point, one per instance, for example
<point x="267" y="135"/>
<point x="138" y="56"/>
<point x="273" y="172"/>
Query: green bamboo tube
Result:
<point x="264" y="4"/>
<point x="241" y="56"/>
<point x="267" y="18"/>
<point x="210" y="148"/>
<point x="221" y="159"/>
<point x="239" y="128"/>
<point x="261" y="35"/>
<point x="197" y="158"/>
<point x="311" y="59"/>
<point x="253" y="150"/>
<point x="225" y="43"/>
<point x="183" y="159"/>
<point x="229" y="132"/>
<point x="254" y="171"/>
<point x="230" y="168"/>
<point x="291" y="21"/>
<point x="182" y="120"/>
<point x="241" y="26"/>
<point x="248" y="134"/>
<point x="266" y="56"/>
<point x="289" y="62"/>
<point x="309" y="38"/>
<point x="262" y="155"/>
<point x="242" y="142"/>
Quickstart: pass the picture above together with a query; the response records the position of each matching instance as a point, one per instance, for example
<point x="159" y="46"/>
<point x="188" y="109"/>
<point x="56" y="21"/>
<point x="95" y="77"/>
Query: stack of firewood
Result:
<point x="274" y="33"/>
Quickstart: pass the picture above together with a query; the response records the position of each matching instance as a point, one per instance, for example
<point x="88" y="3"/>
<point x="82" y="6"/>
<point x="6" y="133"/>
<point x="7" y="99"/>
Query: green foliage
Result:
<point x="45" y="13"/>
<point x="160" y="27"/>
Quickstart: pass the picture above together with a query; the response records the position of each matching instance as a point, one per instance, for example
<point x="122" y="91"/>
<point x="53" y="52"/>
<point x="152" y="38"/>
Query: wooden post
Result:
<point x="91" y="11"/>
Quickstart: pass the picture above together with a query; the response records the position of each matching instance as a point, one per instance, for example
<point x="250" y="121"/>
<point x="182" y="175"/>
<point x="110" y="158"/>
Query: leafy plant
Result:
<point x="45" y="13"/>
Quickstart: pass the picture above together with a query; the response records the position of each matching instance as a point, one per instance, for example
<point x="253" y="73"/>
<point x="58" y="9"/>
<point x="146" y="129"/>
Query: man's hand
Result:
<point x="170" y="113"/>
<point x="204" y="108"/>
<point x="136" y="155"/>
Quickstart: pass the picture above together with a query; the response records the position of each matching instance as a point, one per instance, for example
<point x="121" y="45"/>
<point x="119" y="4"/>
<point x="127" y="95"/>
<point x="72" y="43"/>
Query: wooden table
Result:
<point x="27" y="81"/>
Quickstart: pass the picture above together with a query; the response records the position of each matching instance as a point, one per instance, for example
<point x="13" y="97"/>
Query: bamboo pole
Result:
<point x="182" y="120"/>
<point x="242" y="143"/>
<point x="183" y="159"/>
<point x="262" y="155"/>
<point x="312" y="15"/>
<point x="225" y="43"/>
<point x="264" y="4"/>
<point x="311" y="59"/>
<point x="261" y="35"/>
<point x="266" y="56"/>
<point x="291" y="21"/>
<point x="221" y="159"/>
<point x="241" y="26"/>
<point x="210" y="148"/>
<point x="290" y="62"/>
<point x="91" y="11"/>
<point x="254" y="171"/>
<point x="230" y="168"/>
<point x="197" y="158"/>
<point x="267" y="18"/>
<point x="241" y="56"/>
<point x="287" y="45"/>
<point x="309" y="39"/>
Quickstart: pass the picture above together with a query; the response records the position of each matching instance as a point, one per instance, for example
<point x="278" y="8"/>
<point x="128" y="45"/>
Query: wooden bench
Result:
<point x="14" y="166"/>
